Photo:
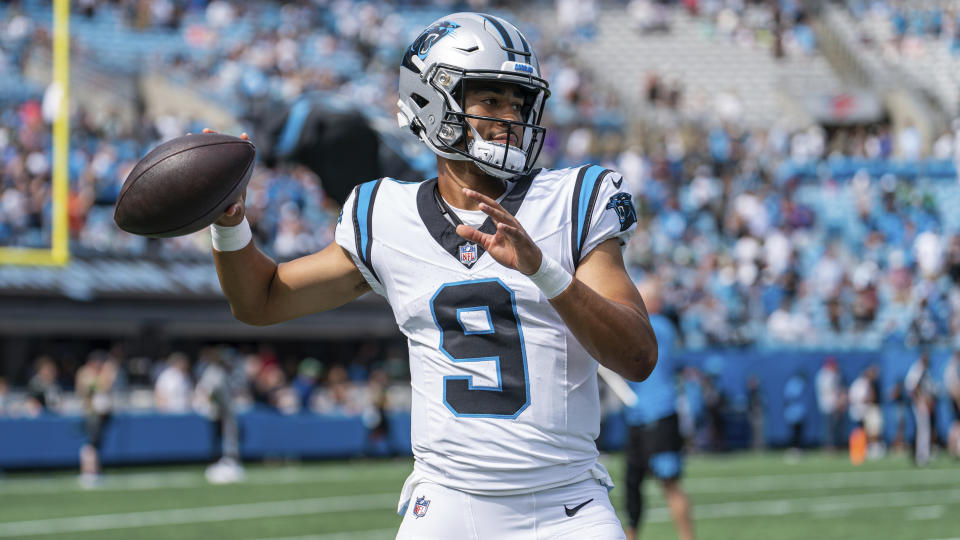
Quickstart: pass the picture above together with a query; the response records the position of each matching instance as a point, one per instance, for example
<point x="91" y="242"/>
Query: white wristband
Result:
<point x="551" y="277"/>
<point x="231" y="238"/>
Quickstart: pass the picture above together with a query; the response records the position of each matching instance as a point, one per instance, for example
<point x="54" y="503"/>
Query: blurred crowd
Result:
<point x="757" y="238"/>
<point x="755" y="253"/>
<point x="782" y="27"/>
<point x="371" y="383"/>
<point x="915" y="28"/>
<point x="293" y="215"/>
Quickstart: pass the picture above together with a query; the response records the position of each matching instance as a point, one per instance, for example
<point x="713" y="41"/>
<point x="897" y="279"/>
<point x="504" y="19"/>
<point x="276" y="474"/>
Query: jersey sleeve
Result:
<point x="602" y="209"/>
<point x="355" y="231"/>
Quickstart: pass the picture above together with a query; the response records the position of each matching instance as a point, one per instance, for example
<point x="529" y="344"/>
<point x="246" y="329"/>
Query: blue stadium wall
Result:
<point x="54" y="441"/>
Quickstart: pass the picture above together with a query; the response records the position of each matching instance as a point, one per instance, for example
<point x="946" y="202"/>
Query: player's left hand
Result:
<point x="510" y="246"/>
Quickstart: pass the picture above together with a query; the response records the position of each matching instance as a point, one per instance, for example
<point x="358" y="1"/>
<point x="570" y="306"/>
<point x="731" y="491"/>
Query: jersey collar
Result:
<point x="445" y="233"/>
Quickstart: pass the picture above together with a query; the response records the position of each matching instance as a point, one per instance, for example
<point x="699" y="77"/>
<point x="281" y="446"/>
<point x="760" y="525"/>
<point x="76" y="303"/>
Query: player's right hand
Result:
<point x="236" y="211"/>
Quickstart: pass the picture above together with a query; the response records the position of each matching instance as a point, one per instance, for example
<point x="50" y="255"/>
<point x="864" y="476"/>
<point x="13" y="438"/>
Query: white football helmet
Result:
<point x="457" y="50"/>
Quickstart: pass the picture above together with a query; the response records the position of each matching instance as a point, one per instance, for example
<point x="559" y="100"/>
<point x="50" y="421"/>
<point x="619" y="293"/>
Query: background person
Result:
<point x="865" y="413"/>
<point x="795" y="412"/>
<point x="43" y="390"/>
<point x="654" y="442"/>
<point x="951" y="381"/>
<point x="95" y="383"/>
<point x="921" y="388"/>
<point x="831" y="401"/>
<point x="173" y="390"/>
<point x="215" y="397"/>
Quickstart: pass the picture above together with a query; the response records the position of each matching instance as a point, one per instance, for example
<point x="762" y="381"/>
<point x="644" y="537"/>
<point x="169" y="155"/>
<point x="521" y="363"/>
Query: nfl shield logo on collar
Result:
<point x="468" y="253"/>
<point x="420" y="507"/>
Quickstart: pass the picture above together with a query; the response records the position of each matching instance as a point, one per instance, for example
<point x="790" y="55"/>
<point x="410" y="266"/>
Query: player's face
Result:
<point x="497" y="100"/>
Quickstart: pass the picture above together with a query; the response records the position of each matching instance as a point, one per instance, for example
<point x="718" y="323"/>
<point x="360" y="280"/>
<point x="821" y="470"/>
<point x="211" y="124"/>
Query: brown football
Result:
<point x="184" y="185"/>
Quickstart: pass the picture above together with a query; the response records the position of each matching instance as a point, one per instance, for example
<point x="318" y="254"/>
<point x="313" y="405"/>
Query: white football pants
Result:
<point x="579" y="511"/>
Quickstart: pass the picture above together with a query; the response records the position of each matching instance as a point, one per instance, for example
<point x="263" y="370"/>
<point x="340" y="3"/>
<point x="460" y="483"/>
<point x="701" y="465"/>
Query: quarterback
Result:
<point x="508" y="282"/>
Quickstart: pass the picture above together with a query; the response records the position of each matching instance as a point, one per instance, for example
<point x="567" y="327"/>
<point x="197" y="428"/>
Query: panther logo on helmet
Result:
<point x="421" y="46"/>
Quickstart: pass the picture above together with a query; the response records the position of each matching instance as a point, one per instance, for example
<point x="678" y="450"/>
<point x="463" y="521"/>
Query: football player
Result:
<point x="508" y="282"/>
<point x="654" y="443"/>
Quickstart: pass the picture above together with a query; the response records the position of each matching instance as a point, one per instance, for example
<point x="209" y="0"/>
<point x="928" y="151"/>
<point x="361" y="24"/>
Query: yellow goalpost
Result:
<point x="59" y="253"/>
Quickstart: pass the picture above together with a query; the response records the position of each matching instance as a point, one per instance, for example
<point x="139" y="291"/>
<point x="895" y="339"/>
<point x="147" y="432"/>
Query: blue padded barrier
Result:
<point x="55" y="441"/>
<point x="271" y="434"/>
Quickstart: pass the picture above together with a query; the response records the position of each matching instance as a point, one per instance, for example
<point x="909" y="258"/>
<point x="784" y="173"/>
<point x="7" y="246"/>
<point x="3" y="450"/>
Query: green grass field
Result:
<point x="740" y="496"/>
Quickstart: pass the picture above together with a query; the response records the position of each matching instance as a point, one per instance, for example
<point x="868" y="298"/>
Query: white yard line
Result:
<point x="778" y="482"/>
<point x="925" y="512"/>
<point x="180" y="516"/>
<point x="820" y="506"/>
<point x="203" y="514"/>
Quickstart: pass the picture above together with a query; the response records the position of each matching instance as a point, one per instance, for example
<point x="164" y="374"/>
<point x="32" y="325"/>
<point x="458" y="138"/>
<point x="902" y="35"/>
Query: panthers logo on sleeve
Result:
<point x="622" y="204"/>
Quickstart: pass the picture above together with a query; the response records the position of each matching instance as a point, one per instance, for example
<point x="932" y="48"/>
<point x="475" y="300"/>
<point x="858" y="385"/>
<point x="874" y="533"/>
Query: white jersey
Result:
<point x="505" y="399"/>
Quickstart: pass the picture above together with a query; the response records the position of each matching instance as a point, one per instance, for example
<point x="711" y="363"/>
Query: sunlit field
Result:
<point x="737" y="496"/>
